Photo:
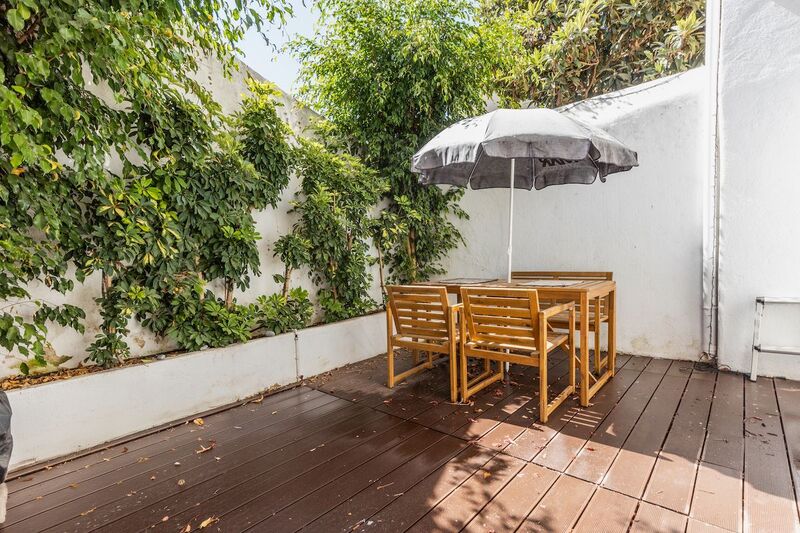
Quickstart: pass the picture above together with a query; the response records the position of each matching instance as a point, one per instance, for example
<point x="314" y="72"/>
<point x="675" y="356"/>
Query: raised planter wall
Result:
<point x="63" y="417"/>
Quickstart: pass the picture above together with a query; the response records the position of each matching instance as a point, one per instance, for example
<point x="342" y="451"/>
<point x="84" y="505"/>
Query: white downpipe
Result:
<point x="510" y="221"/>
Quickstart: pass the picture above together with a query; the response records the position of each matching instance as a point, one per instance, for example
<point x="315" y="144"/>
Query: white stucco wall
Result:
<point x="644" y="225"/>
<point x="270" y="223"/>
<point x="759" y="129"/>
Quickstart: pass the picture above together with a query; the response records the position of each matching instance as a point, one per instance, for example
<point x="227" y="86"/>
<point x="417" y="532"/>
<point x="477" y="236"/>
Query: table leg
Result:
<point x="584" y="327"/>
<point x="612" y="332"/>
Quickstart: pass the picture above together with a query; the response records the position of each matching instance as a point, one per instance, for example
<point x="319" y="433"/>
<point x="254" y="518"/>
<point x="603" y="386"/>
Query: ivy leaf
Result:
<point x="16" y="19"/>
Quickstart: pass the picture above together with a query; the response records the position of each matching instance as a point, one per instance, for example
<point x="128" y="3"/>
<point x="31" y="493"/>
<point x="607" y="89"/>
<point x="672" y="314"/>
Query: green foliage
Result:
<point x="87" y="83"/>
<point x="214" y="199"/>
<point x="334" y="204"/>
<point x="566" y="51"/>
<point x="389" y="74"/>
<point x="197" y="318"/>
<point x="264" y="140"/>
<point x="281" y="313"/>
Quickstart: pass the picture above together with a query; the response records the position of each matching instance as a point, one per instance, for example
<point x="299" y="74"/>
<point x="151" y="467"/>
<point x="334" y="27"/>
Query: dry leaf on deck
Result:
<point x="204" y="449"/>
<point x="208" y="521"/>
<point x="198" y="421"/>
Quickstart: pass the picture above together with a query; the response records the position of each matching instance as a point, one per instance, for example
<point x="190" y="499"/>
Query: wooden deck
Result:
<point x="664" y="447"/>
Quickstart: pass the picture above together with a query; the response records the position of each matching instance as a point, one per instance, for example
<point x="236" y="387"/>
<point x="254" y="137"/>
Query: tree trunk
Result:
<point x="380" y="271"/>
<point x="287" y="273"/>
<point x="107" y="283"/>
<point x="228" y="293"/>
<point x="412" y="254"/>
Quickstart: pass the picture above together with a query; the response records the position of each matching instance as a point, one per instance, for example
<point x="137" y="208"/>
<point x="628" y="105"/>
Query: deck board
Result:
<point x="672" y="482"/>
<point x="769" y="500"/>
<point x="631" y="468"/>
<point x="663" y="447"/>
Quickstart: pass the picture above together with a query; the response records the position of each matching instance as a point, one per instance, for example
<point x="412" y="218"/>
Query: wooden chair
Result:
<point x="507" y="326"/>
<point x="423" y="321"/>
<point x="598" y="308"/>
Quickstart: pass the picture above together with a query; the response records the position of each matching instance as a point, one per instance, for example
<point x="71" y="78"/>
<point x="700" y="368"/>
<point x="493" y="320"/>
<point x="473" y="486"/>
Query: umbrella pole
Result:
<point x="510" y="221"/>
<point x="510" y="235"/>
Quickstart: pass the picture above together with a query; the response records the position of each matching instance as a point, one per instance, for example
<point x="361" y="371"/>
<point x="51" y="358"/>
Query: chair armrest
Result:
<point x="556" y="309"/>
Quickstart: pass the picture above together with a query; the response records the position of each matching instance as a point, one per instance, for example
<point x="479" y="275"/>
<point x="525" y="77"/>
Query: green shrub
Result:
<point x="279" y="313"/>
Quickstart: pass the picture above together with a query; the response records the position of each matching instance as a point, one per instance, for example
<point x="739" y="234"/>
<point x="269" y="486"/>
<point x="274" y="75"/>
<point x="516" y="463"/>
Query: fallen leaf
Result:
<point x="204" y="449"/>
<point x="208" y="521"/>
<point x="73" y="485"/>
<point x="89" y="511"/>
<point x="152" y="478"/>
<point x="177" y="463"/>
<point x="258" y="400"/>
<point x="187" y="529"/>
<point x="181" y="482"/>
<point x="486" y="474"/>
<point x="198" y="421"/>
<point x="165" y="519"/>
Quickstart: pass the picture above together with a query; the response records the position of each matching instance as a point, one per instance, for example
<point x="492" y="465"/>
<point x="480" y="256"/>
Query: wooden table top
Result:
<point x="575" y="287"/>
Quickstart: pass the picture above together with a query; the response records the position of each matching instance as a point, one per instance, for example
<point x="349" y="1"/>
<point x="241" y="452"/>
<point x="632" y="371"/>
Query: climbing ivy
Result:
<point x="334" y="203"/>
<point x="88" y="92"/>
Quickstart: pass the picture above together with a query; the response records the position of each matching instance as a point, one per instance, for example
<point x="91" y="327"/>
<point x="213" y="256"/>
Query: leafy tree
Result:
<point x="388" y="75"/>
<point x="280" y="313"/>
<point x="214" y="200"/>
<point x="334" y="204"/>
<point x="568" y="50"/>
<point x="80" y="85"/>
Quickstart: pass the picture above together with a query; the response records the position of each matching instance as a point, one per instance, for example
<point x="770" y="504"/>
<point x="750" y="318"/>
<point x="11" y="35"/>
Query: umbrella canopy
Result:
<point x="549" y="148"/>
<point x="520" y="149"/>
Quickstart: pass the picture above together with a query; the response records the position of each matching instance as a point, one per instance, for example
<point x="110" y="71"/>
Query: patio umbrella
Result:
<point x="520" y="149"/>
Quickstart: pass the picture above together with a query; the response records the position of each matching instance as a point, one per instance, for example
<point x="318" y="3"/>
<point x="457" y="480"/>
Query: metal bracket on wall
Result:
<point x="758" y="349"/>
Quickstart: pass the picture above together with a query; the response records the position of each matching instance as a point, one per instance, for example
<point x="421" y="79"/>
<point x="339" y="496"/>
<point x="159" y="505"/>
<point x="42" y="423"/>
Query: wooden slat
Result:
<point x="106" y="488"/>
<point x="515" y="501"/>
<point x="83" y="468"/>
<point x="318" y="502"/>
<point x="595" y="458"/>
<point x="561" y="506"/>
<point x="631" y="468"/>
<point x="460" y="506"/>
<point x="717" y="495"/>
<point x="412" y="505"/>
<point x="609" y="512"/>
<point x="560" y="452"/>
<point x="654" y="519"/>
<point x="357" y="510"/>
<point x="518" y="302"/>
<point x="166" y="498"/>
<point x="672" y="481"/>
<point x="323" y="464"/>
<point x="769" y="500"/>
<point x="789" y="402"/>
<point x="254" y="499"/>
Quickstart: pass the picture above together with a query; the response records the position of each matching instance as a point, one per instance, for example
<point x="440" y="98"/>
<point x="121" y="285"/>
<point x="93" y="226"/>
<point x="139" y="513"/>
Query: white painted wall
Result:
<point x="759" y="130"/>
<point x="62" y="417"/>
<point x="644" y="225"/>
<point x="270" y="223"/>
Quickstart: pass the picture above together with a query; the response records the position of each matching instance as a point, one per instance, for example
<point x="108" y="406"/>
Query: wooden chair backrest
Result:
<point x="419" y="311"/>
<point x="503" y="316"/>
<point x="552" y="274"/>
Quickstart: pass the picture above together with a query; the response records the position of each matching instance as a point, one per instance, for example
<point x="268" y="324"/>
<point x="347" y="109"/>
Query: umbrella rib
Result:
<point x="469" y="178"/>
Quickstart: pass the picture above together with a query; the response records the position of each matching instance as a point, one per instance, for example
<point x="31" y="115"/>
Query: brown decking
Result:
<point x="663" y="447"/>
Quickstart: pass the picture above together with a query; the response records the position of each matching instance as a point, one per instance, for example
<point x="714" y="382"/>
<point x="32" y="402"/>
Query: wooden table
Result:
<point x="581" y="292"/>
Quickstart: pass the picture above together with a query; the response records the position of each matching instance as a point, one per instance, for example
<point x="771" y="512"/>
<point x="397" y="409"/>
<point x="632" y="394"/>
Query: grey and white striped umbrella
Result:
<point x="520" y="149"/>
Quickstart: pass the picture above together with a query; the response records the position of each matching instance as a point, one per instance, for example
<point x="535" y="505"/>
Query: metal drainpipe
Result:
<point x="296" y="355"/>
<point x="711" y="235"/>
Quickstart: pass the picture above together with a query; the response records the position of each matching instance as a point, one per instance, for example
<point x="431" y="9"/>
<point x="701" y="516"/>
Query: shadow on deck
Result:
<point x="665" y="446"/>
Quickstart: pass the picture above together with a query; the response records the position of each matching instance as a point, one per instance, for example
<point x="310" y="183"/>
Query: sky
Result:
<point x="275" y="63"/>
